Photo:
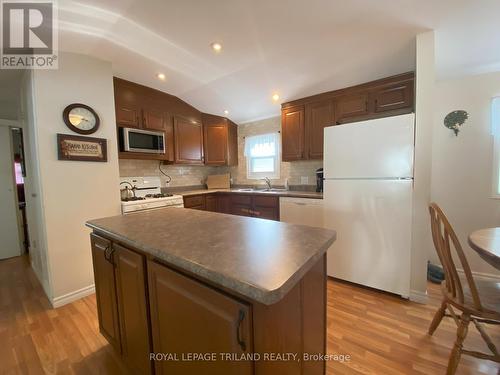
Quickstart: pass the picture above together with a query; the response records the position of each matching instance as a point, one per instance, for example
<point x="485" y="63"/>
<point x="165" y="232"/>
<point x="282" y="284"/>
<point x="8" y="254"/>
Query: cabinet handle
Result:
<point x="242" y="343"/>
<point x="106" y="255"/>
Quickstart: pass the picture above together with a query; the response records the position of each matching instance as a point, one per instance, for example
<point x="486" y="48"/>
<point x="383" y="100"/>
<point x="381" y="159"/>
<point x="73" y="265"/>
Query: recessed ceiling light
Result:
<point x="276" y="97"/>
<point x="226" y="112"/>
<point x="217" y="47"/>
<point x="161" y="76"/>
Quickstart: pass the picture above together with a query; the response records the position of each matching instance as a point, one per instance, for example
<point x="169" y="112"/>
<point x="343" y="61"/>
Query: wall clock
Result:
<point x="80" y="118"/>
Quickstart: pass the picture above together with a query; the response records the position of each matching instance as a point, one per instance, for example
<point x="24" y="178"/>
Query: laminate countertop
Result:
<point x="281" y="193"/>
<point x="259" y="259"/>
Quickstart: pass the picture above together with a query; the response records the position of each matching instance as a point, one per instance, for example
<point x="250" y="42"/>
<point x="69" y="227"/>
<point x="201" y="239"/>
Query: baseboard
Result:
<point x="418" y="296"/>
<point x="73" y="296"/>
<point x="482" y="275"/>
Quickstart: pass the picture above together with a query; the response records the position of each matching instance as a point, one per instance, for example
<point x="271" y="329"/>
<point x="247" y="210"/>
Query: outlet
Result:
<point x="304" y="180"/>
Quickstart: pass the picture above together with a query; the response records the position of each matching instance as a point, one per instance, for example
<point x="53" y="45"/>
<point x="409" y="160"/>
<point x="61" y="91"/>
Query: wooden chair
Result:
<point x="476" y="301"/>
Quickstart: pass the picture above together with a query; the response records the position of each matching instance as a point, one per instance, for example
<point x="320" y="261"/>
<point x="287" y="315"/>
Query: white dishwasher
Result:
<point x="305" y="211"/>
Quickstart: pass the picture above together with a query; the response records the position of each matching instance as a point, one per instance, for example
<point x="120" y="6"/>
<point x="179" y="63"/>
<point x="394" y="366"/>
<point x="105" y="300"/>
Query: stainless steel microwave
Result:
<point x="138" y="140"/>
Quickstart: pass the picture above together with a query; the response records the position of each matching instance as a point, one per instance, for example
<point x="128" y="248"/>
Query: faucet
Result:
<point x="268" y="182"/>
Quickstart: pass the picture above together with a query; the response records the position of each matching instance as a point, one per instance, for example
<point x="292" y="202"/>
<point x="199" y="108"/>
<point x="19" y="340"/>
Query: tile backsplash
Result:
<point x="297" y="172"/>
<point x="182" y="175"/>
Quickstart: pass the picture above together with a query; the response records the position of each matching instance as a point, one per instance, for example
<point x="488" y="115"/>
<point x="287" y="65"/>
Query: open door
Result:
<point x="10" y="245"/>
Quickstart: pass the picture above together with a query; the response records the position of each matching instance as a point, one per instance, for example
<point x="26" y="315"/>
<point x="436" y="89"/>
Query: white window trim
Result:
<point x="495" y="132"/>
<point x="277" y="164"/>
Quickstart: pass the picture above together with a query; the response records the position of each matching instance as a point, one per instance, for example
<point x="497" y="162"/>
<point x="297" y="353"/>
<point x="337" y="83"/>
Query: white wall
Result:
<point x="73" y="192"/>
<point x="421" y="238"/>
<point x="462" y="166"/>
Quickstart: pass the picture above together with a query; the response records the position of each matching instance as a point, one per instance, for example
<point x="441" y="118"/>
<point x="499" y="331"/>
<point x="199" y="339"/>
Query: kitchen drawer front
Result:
<point x="241" y="199"/>
<point x="265" y="201"/>
<point x="194" y="201"/>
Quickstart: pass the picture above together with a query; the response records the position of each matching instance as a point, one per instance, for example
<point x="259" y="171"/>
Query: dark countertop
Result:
<point x="259" y="259"/>
<point x="287" y="193"/>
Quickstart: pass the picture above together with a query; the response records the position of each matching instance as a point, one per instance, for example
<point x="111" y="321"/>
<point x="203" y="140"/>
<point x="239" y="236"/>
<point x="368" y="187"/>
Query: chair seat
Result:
<point x="489" y="294"/>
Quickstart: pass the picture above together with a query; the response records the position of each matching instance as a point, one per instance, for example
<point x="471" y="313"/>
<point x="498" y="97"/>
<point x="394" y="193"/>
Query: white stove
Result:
<point x="148" y="195"/>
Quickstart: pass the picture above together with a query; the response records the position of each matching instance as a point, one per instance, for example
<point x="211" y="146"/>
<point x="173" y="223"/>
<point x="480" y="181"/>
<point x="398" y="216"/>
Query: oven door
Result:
<point x="136" y="140"/>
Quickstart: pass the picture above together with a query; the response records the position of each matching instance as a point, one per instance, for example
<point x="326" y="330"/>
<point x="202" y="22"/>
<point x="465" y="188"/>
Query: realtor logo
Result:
<point x="29" y="35"/>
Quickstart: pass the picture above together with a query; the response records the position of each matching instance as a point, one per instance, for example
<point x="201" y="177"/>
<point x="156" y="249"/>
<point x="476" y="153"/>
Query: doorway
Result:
<point x="12" y="202"/>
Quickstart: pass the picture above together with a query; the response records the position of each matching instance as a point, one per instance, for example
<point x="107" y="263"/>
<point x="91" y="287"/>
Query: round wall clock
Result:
<point x="80" y="118"/>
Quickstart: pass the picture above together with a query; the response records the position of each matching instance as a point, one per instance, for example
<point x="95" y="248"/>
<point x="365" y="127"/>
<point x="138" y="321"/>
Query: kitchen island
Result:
<point x="182" y="291"/>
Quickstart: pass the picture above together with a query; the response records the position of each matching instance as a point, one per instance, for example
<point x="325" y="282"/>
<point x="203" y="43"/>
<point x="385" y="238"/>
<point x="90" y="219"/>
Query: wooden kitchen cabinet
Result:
<point x="220" y="137"/>
<point x="352" y="107"/>
<point x="182" y="308"/>
<point x="302" y="134"/>
<point x="105" y="290"/>
<point x="132" y="308"/>
<point x="253" y="205"/>
<point x="292" y="133"/>
<point x="392" y="96"/>
<point x="196" y="202"/>
<point x="266" y="207"/>
<point x="211" y="202"/>
<point x="318" y="116"/>
<point x="188" y="139"/>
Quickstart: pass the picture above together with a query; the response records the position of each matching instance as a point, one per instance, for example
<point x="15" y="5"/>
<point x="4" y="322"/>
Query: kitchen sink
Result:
<point x="272" y="190"/>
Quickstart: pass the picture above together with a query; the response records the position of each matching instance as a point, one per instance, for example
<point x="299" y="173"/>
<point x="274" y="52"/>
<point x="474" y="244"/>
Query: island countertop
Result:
<point x="256" y="258"/>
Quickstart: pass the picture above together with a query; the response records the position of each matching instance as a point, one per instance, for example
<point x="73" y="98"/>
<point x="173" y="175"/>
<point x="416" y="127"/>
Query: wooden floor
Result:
<point x="382" y="333"/>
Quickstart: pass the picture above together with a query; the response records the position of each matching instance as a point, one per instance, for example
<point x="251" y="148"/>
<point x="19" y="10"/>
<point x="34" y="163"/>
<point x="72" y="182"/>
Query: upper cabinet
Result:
<point x="303" y="120"/>
<point x="137" y="106"/>
<point x="318" y="116"/>
<point x="188" y="140"/>
<point x="220" y="137"/>
<point x="292" y="133"/>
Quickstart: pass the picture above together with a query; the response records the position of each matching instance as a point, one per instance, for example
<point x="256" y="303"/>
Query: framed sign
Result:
<point x="78" y="148"/>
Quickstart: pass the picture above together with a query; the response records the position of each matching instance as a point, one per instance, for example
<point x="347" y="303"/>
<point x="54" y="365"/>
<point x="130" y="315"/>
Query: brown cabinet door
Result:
<point x="215" y="138"/>
<point x="105" y="290"/>
<point x="188" y="140"/>
<point x="351" y="107"/>
<point x="132" y="307"/>
<point x="241" y="205"/>
<point x="195" y="201"/>
<point x="153" y="119"/>
<point x="266" y="207"/>
<point x="127" y="104"/>
<point x="232" y="139"/>
<point x="393" y="97"/>
<point x="189" y="317"/>
<point x="224" y="203"/>
<point x="318" y="116"/>
<point x="211" y="203"/>
<point x="292" y="133"/>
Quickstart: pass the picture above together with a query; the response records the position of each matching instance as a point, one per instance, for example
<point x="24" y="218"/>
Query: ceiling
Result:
<point x="294" y="47"/>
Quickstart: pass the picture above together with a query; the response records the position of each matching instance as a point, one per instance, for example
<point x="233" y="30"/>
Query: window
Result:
<point x="495" y="130"/>
<point x="262" y="153"/>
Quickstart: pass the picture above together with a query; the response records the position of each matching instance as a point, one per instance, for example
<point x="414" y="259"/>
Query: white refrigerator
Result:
<point x="368" y="172"/>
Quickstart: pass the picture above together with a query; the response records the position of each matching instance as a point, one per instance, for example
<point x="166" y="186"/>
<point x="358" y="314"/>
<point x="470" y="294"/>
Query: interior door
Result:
<point x="9" y="231"/>
<point x="373" y="219"/>
<point x="189" y="317"/>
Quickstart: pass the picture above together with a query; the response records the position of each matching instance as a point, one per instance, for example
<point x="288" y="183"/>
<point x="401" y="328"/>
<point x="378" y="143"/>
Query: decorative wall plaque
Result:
<point x="78" y="148"/>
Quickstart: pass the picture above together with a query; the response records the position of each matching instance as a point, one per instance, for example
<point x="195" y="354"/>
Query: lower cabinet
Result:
<point x="253" y="205"/>
<point x="132" y="308"/>
<point x="189" y="317"/>
<point x="120" y="283"/>
<point x="105" y="290"/>
<point x="146" y="307"/>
